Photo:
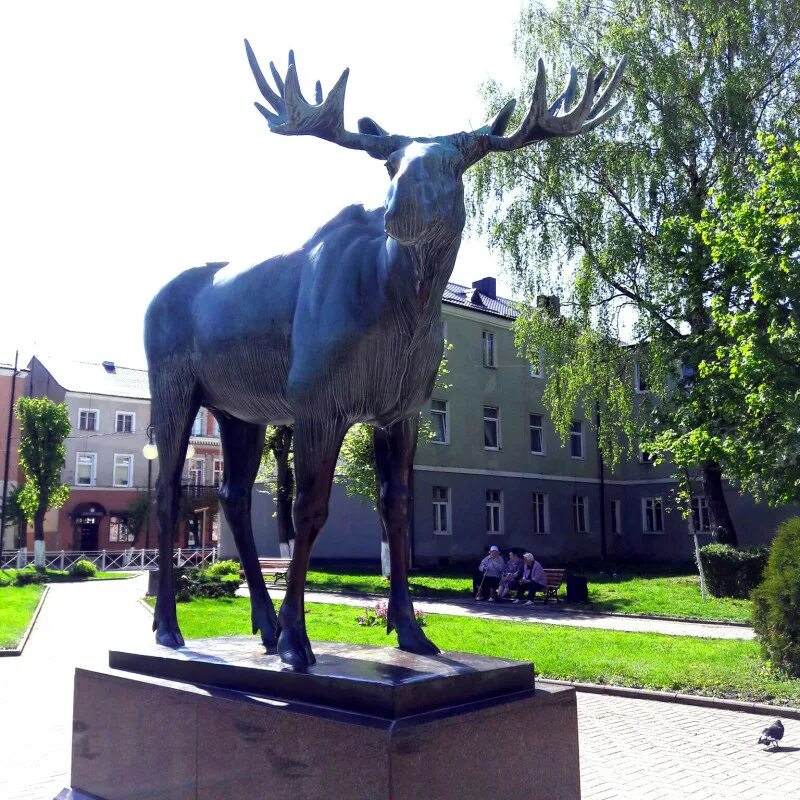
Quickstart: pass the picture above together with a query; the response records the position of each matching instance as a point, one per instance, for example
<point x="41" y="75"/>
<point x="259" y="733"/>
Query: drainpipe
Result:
<point x="8" y="455"/>
<point x="602" y="470"/>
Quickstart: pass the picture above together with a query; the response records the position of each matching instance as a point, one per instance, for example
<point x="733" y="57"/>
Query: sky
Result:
<point x="130" y="149"/>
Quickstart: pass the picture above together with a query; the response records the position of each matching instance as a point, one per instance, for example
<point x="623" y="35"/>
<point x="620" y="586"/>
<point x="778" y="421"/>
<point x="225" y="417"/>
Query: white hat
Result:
<point x="528" y="555"/>
<point x="494" y="548"/>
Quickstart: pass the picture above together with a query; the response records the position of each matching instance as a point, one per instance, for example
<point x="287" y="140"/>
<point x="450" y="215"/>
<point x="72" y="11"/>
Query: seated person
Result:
<point x="510" y="578"/>
<point x="492" y="568"/>
<point x="532" y="579"/>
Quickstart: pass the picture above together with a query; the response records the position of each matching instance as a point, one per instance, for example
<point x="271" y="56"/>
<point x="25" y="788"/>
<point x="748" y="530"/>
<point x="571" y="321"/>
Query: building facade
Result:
<point x="12" y="385"/>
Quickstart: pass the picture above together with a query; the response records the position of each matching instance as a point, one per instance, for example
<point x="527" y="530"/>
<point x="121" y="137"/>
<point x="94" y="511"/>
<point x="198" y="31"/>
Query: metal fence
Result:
<point x="110" y="560"/>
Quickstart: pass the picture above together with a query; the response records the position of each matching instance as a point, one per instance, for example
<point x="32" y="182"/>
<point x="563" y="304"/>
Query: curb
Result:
<point x="788" y="712"/>
<point x="24" y="640"/>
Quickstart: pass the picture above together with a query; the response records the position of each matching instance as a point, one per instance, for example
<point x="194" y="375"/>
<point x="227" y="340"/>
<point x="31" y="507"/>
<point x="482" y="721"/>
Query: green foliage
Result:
<point x="30" y="575"/>
<point x="5" y="579"/>
<point x="732" y="571"/>
<point x="776" y="603"/>
<point x="15" y="515"/>
<point x="614" y="214"/>
<point x="82" y="569"/>
<point x="43" y="427"/>
<point x="192" y="583"/>
<point x="139" y="510"/>
<point x="220" y="568"/>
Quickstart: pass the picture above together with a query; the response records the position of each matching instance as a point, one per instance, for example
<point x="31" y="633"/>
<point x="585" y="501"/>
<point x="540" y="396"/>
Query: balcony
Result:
<point x="199" y="491"/>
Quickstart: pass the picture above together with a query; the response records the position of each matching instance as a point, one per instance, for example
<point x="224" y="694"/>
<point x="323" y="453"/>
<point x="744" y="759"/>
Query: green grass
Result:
<point x="17" y="605"/>
<point x="676" y="595"/>
<point x="63" y="576"/>
<point x="711" y="667"/>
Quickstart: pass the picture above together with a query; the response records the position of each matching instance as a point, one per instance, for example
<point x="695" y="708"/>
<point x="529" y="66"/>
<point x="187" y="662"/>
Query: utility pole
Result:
<point x="8" y="455"/>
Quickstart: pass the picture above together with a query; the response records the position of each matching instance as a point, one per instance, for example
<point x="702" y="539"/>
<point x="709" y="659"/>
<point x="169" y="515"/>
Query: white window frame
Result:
<point x="545" y="513"/>
<point x="616" y="515"/>
<point x="639" y="386"/>
<point x="584" y="505"/>
<point x="192" y="464"/>
<point x="537" y="369"/>
<point x="495" y="504"/>
<point x="496" y="421"/>
<point x="203" y="420"/>
<point x="214" y="471"/>
<point x="446" y="415"/>
<point x="540" y="428"/>
<point x="702" y="511"/>
<point x="93" y="477"/>
<point x="440" y="503"/>
<point x="117" y="460"/>
<point x="120" y="521"/>
<point x="657" y="503"/>
<point x="96" y="412"/>
<point x="489" y="350"/>
<point x="132" y="415"/>
<point x="579" y="434"/>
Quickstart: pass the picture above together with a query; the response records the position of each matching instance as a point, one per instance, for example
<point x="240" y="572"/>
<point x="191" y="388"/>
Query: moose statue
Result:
<point x="346" y="329"/>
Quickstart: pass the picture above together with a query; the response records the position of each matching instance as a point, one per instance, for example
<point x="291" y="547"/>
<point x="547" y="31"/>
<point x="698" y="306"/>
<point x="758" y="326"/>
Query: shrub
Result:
<point x="82" y="569"/>
<point x="776" y="603"/>
<point x="30" y="575"/>
<point x="199" y="583"/>
<point x="223" y="568"/>
<point x="6" y="579"/>
<point x="732" y="572"/>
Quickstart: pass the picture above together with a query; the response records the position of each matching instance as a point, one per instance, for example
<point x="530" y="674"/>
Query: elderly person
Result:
<point x="492" y="568"/>
<point x="510" y="578"/>
<point x="532" y="580"/>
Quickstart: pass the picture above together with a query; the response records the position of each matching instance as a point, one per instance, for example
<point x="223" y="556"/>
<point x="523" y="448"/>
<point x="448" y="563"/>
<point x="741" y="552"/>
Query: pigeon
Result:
<point x="772" y="734"/>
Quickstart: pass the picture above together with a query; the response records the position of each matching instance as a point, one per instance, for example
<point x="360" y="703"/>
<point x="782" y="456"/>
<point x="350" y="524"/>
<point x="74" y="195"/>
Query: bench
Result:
<point x="555" y="579"/>
<point x="278" y="568"/>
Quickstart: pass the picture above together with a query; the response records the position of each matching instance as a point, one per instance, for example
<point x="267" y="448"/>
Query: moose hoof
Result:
<point x="414" y="640"/>
<point x="169" y="636"/>
<point x="295" y="649"/>
<point x="267" y="626"/>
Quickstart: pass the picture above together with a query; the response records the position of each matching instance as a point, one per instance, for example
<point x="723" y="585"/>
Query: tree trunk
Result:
<point x="284" y="499"/>
<point x="721" y="522"/>
<point x="38" y="537"/>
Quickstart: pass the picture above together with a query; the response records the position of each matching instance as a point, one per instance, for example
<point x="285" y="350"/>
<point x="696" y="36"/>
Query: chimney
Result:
<point x="549" y="304"/>
<point x="110" y="368"/>
<point x="487" y="286"/>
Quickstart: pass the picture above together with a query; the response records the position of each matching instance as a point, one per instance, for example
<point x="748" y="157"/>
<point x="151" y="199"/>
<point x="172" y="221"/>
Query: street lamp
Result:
<point x="150" y="452"/>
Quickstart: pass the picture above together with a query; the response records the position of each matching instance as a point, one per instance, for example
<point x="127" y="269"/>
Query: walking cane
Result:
<point x="478" y="594"/>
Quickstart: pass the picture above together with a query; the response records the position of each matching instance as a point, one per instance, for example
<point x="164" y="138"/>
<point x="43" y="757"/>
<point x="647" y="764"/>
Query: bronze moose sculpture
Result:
<point x="346" y="329"/>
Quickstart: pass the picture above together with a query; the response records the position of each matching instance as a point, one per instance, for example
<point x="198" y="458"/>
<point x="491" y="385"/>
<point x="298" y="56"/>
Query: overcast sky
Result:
<point x="131" y="149"/>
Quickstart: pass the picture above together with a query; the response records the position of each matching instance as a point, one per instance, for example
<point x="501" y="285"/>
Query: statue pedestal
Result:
<point x="219" y="720"/>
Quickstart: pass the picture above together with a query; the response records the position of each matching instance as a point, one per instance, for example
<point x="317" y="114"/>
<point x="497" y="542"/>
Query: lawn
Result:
<point x="62" y="576"/>
<point x="711" y="667"/>
<point x="673" y="595"/>
<point x="17" y="605"/>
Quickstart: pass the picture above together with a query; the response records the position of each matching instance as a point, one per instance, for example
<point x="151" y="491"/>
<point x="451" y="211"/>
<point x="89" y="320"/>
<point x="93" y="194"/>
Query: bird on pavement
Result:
<point x="772" y="734"/>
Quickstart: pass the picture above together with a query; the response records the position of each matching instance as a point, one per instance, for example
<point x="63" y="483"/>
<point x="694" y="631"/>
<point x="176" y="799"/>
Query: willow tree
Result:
<point x="607" y="221"/>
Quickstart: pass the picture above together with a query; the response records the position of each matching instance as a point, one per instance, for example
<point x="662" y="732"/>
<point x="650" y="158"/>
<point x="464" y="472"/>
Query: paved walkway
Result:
<point x="630" y="749"/>
<point x="540" y="613"/>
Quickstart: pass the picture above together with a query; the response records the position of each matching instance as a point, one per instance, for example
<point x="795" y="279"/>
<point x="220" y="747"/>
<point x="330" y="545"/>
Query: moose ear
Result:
<point x="370" y="127"/>
<point x="497" y="127"/>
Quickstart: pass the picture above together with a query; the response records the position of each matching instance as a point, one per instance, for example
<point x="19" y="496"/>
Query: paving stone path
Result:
<point x="630" y="749"/>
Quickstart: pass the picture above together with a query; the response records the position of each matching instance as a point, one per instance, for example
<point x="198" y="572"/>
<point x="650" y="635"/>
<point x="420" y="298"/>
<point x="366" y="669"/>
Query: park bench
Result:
<point x="278" y="568"/>
<point x="555" y="579"/>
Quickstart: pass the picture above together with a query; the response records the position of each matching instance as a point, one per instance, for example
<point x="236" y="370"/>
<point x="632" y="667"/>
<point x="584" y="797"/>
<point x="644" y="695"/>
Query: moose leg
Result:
<point x="394" y="461"/>
<point x="316" y="448"/>
<point x="173" y="409"/>
<point x="242" y="446"/>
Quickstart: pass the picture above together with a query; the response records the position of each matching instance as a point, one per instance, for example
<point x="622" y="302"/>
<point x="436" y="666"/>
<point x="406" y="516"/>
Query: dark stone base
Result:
<point x="137" y="737"/>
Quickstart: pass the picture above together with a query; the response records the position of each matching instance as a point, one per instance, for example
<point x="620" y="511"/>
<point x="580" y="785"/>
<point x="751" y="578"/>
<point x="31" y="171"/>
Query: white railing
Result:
<point x="109" y="560"/>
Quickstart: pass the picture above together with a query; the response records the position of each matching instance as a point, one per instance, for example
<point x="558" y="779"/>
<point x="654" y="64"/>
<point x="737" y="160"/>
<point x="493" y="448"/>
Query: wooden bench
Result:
<point x="278" y="568"/>
<point x="555" y="579"/>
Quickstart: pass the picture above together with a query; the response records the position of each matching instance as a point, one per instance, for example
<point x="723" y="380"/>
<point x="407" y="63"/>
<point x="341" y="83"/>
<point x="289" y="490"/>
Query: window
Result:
<point x="441" y="510"/>
<point x="197" y="472"/>
<point x="491" y="428"/>
<point x="645" y="457"/>
<point x="126" y="422"/>
<point x="88" y="419"/>
<point x="494" y="511"/>
<point x="119" y="530"/>
<point x="216" y="427"/>
<point x="441" y="430"/>
<point x="537" y="434"/>
<point x="652" y="519"/>
<point x="540" y="515"/>
<point x="199" y="424"/>
<point x="537" y="364"/>
<point x="576" y="440"/>
<point x="218" y="467"/>
<point x="701" y="521"/>
<point x="616" y="516"/>
<point x="639" y="379"/>
<point x="488" y="350"/>
<point x="580" y="513"/>
<point x="85" y="469"/>
<point x="123" y="470"/>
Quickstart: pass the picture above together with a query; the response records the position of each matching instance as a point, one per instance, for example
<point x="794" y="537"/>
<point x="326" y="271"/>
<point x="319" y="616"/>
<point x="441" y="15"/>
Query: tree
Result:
<point x="277" y="472"/>
<point x="15" y="516"/>
<point x="753" y="379"/>
<point x="44" y="425"/>
<point x="615" y="213"/>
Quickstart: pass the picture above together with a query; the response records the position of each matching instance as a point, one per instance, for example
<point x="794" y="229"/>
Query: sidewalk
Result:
<point x="630" y="749"/>
<point x="538" y="613"/>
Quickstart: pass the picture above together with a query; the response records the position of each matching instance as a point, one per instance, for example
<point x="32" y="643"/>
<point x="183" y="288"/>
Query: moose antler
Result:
<point x="293" y="115"/>
<point x="558" y="120"/>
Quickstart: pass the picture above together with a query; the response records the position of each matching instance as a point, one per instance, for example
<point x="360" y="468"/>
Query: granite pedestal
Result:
<point x="219" y="720"/>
